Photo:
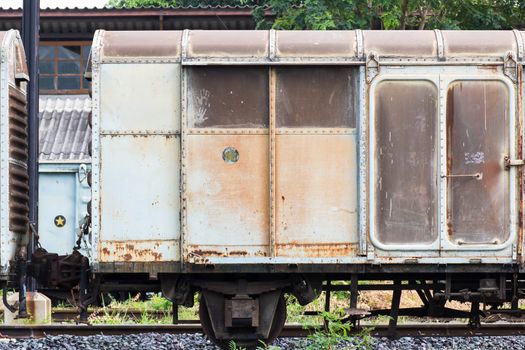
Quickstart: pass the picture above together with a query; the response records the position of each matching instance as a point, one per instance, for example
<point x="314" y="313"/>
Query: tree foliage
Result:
<point x="368" y="14"/>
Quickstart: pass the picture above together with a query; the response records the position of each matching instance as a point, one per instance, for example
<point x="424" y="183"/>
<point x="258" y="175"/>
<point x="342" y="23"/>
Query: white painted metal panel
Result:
<point x="140" y="98"/>
<point x="64" y="191"/>
<point x="139" y="187"/>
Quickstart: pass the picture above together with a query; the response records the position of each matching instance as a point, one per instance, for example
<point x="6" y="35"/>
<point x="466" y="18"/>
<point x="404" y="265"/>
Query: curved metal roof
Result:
<point x="12" y="46"/>
<point x="275" y="46"/>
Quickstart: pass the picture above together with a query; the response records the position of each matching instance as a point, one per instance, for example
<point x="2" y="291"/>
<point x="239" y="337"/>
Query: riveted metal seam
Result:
<point x="138" y="133"/>
<point x="440" y="45"/>
<point x="363" y="159"/>
<point x="95" y="145"/>
<point x="184" y="252"/>
<point x="385" y="60"/>
<point x="272" y="160"/>
<point x="4" y="137"/>
<point x="184" y="45"/>
<point x="228" y="131"/>
<point x="272" y="41"/>
<point x="442" y="181"/>
<point x="141" y="60"/>
<point x="519" y="43"/>
<point x="359" y="39"/>
<point x="183" y="170"/>
<point x="259" y="131"/>
<point x="315" y="131"/>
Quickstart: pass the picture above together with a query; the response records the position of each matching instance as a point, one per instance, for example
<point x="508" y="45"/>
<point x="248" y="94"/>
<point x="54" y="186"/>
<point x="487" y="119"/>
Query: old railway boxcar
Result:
<point x="13" y="152"/>
<point x="245" y="164"/>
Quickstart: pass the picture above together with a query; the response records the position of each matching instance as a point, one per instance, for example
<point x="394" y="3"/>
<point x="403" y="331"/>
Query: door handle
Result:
<point x="477" y="176"/>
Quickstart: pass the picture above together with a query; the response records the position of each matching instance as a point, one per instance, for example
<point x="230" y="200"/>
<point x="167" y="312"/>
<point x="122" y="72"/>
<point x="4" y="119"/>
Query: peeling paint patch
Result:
<point x="328" y="250"/>
<point x="139" y="251"/>
<point x="474" y="157"/>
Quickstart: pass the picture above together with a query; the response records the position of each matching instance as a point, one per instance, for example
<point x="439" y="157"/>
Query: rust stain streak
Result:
<point x="325" y="250"/>
<point x="139" y="251"/>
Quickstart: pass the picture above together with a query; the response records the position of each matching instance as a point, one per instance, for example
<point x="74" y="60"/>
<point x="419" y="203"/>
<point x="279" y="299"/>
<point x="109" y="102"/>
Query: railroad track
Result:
<point x="405" y="330"/>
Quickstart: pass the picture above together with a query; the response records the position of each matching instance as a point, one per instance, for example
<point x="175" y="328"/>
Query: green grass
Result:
<point x="120" y="311"/>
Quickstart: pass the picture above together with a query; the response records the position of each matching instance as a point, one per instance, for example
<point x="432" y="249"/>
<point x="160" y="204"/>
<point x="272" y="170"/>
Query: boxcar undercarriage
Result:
<point x="249" y="306"/>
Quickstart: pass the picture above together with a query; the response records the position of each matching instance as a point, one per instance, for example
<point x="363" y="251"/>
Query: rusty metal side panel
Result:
<point x="316" y="196"/>
<point x="119" y="44"/>
<point x="227" y="202"/>
<point x="401" y="43"/>
<point x="227" y="97"/>
<point x="478" y="140"/>
<point x="228" y="43"/>
<point x="314" y="43"/>
<point x="139" y="251"/>
<point x="478" y="42"/>
<point x="139" y="197"/>
<point x="316" y="97"/>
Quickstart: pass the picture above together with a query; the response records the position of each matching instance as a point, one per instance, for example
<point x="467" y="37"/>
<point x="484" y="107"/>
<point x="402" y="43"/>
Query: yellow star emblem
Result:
<point x="60" y="221"/>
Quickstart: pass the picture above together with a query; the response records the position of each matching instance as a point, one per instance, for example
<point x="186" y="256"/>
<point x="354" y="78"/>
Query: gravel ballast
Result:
<point x="198" y="342"/>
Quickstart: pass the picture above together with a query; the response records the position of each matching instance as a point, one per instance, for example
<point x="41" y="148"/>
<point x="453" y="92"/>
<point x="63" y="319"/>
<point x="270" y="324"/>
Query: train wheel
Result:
<point x="276" y="328"/>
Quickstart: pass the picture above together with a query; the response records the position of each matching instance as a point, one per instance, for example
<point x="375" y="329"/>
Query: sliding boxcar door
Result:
<point x="315" y="162"/>
<point x="226" y="162"/>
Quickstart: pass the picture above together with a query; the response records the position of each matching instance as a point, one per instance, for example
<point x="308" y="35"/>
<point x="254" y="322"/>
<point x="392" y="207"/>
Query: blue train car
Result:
<point x="63" y="166"/>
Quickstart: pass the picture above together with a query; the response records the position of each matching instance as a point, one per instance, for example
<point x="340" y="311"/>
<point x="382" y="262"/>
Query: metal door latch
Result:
<point x="513" y="162"/>
<point x="372" y="67"/>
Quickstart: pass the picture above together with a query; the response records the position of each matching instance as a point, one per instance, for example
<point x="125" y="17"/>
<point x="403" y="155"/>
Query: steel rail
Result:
<point x="405" y="330"/>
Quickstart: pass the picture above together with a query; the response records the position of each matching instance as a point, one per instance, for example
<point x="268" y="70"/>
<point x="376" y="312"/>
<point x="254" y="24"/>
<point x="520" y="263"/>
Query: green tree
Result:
<point x="369" y="14"/>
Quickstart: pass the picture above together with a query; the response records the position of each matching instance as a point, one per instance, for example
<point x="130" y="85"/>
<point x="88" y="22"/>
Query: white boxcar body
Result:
<point x="335" y="148"/>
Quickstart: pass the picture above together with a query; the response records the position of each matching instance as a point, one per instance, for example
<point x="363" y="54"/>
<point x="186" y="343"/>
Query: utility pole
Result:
<point x="31" y="39"/>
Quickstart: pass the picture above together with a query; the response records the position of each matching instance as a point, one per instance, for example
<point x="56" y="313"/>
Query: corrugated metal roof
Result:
<point x="79" y="23"/>
<point x="107" y="8"/>
<point x="64" y="130"/>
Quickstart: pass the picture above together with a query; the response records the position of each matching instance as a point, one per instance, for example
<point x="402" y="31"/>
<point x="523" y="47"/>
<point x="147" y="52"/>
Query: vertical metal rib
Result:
<point x="440" y="45"/>
<point x="272" y="164"/>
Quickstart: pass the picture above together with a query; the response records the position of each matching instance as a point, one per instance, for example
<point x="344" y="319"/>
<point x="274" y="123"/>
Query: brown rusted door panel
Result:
<point x="316" y="162"/>
<point x="227" y="162"/>
<point x="316" y="97"/>
<point x="316" y="196"/>
<point x="406" y="115"/>
<point x="227" y="202"/>
<point x="227" y="97"/>
<point x="478" y="140"/>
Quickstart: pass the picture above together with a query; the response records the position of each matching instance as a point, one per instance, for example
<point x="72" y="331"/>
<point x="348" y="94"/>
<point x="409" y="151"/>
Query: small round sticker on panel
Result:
<point x="60" y="221"/>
